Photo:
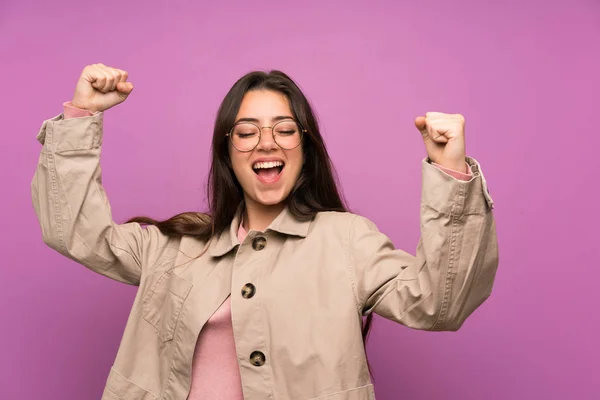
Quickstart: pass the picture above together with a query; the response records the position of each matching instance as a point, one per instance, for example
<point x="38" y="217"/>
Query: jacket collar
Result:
<point x="284" y="223"/>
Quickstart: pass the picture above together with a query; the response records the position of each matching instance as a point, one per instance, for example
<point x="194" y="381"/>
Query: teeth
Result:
<point x="270" y="164"/>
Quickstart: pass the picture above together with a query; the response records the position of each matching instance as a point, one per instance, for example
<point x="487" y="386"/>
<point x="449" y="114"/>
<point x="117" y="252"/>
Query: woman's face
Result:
<point x="268" y="173"/>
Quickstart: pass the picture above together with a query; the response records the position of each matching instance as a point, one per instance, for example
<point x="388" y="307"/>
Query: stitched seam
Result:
<point x="164" y="335"/>
<point x="350" y="270"/>
<point x="174" y="319"/>
<point x="113" y="392"/>
<point x="171" y="376"/>
<point x="233" y="315"/>
<point x="51" y="162"/>
<point x="267" y="377"/>
<point x="78" y="149"/>
<point x="131" y="382"/>
<point x="443" y="312"/>
<point x="150" y="293"/>
<point x="477" y="269"/>
<point x="343" y="391"/>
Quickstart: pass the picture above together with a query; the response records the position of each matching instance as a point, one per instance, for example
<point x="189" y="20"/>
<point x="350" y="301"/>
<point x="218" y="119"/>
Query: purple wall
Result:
<point x="525" y="75"/>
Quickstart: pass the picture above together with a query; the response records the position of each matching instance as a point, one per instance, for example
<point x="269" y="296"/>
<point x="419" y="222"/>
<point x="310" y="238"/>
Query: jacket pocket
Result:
<point x="366" y="392"/>
<point x="163" y="303"/>
<point x="119" y="387"/>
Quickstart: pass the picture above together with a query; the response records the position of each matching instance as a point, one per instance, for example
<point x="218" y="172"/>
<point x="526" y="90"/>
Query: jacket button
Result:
<point x="248" y="290"/>
<point x="259" y="243"/>
<point x="257" y="358"/>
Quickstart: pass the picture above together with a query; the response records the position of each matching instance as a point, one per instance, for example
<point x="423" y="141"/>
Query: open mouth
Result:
<point x="268" y="171"/>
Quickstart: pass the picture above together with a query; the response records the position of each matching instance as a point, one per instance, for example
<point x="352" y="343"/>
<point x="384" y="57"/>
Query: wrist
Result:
<point x="75" y="104"/>
<point x="70" y="111"/>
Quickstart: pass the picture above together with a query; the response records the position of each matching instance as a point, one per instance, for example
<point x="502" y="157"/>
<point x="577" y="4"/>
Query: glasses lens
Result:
<point x="288" y="134"/>
<point x="245" y="137"/>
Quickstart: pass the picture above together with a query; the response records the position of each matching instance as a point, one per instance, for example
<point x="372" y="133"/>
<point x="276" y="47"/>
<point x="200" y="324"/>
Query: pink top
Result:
<point x="215" y="371"/>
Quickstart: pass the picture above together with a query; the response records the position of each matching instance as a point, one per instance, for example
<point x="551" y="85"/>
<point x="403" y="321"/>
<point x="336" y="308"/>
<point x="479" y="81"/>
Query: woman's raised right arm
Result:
<point x="67" y="193"/>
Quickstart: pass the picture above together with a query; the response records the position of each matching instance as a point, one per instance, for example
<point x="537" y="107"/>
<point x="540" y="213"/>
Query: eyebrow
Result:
<point x="256" y="121"/>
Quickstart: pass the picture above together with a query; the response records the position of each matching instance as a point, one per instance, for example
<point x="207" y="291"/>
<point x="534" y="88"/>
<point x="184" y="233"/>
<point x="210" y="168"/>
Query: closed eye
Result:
<point x="287" y="133"/>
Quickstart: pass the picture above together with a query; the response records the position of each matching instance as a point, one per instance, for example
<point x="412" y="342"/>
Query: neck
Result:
<point x="259" y="216"/>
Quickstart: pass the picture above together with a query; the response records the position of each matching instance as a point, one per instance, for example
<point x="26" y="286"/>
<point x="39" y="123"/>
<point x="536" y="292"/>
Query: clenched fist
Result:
<point x="444" y="137"/>
<point x="100" y="87"/>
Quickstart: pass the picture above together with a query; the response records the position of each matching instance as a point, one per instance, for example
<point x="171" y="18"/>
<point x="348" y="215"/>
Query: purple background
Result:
<point x="524" y="74"/>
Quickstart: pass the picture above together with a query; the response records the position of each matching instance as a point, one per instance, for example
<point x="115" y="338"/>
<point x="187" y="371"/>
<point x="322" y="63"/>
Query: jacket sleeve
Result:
<point x="72" y="207"/>
<point x="455" y="263"/>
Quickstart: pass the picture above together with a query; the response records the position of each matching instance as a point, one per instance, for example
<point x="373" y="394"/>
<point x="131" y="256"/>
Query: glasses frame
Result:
<point x="272" y="128"/>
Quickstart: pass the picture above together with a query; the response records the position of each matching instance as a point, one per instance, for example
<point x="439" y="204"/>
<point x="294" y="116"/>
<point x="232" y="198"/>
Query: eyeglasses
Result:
<point x="245" y="136"/>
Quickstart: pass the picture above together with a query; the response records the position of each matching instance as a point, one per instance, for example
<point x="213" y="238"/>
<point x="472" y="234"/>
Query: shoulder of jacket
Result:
<point x="347" y="220"/>
<point x="333" y="217"/>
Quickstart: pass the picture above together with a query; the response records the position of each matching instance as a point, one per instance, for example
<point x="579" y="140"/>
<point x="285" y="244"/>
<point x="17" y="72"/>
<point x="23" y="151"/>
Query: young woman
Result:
<point x="264" y="296"/>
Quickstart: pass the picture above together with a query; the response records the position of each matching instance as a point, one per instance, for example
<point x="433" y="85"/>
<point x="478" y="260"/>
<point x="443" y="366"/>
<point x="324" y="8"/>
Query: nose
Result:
<point x="267" y="141"/>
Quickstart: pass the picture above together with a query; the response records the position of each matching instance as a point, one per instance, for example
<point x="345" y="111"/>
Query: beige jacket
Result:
<point x="298" y="289"/>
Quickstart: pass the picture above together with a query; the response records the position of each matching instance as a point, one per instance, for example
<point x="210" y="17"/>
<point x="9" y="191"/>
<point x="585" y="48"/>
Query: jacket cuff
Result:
<point x="448" y="195"/>
<point x="59" y="134"/>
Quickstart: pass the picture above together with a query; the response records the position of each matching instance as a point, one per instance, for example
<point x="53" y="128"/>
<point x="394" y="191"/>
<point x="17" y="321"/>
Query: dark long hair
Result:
<point x="316" y="189"/>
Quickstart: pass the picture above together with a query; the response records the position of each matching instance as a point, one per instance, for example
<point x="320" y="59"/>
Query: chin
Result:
<point x="270" y="199"/>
